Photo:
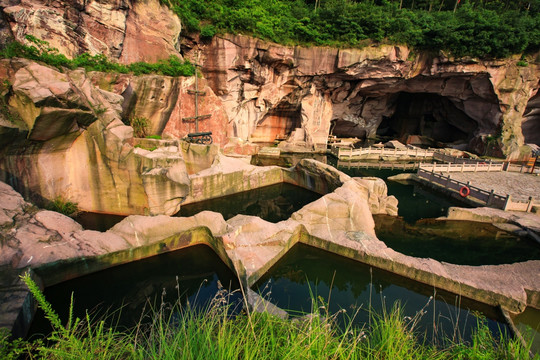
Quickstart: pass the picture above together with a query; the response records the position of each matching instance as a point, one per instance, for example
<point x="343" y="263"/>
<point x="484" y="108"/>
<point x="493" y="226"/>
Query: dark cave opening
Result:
<point x="530" y="125"/>
<point x="417" y="118"/>
<point x="428" y="115"/>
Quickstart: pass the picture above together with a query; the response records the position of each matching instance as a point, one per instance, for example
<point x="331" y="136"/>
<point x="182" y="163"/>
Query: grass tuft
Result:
<point x="63" y="206"/>
<point x="218" y="331"/>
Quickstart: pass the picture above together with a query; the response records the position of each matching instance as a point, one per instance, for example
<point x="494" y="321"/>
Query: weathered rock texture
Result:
<point x="68" y="140"/>
<point x="268" y="91"/>
<point x="125" y="30"/>
<point x="58" y="249"/>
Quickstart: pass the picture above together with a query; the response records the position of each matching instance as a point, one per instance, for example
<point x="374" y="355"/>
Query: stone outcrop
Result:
<point x="69" y="141"/>
<point x="379" y="201"/>
<point x="124" y="30"/>
<point x="58" y="249"/>
<point x="269" y="91"/>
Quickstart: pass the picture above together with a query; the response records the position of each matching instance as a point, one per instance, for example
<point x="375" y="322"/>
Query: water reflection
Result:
<point x="306" y="272"/>
<point x="456" y="242"/>
<point x="190" y="274"/>
<point x="528" y="324"/>
<point x="272" y="203"/>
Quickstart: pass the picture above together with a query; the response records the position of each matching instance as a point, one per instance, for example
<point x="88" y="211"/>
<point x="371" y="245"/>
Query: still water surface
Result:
<point x="137" y="286"/>
<point x="306" y="272"/>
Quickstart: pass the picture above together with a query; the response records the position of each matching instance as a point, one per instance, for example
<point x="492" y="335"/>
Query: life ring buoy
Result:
<point x="464" y="191"/>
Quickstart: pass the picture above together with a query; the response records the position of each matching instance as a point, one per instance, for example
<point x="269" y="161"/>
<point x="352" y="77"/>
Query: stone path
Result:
<point x="520" y="186"/>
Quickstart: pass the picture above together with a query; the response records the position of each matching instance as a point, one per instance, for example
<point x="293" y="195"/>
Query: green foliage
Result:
<point x="479" y="28"/>
<point x="522" y="63"/>
<point x="157" y="137"/>
<point x="63" y="206"/>
<point x="78" y="339"/>
<point x="12" y="349"/>
<point x="40" y="50"/>
<point x="140" y="126"/>
<point x="146" y="148"/>
<point x="183" y="332"/>
<point x="208" y="32"/>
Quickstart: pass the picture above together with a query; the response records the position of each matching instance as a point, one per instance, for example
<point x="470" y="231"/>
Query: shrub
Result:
<point x="140" y="126"/>
<point x="208" y="32"/>
<point x="63" y="206"/>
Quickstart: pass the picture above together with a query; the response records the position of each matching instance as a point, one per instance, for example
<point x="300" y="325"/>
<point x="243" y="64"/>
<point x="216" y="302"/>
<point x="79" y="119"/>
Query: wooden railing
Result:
<point x="489" y="198"/>
<point x="341" y="153"/>
<point x="464" y="167"/>
<point x="378" y="165"/>
<point x="439" y="156"/>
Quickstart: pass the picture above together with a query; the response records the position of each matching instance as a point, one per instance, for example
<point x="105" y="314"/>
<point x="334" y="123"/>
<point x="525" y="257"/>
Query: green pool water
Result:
<point x="272" y="203"/>
<point x="306" y="272"/>
<point x="528" y="324"/>
<point x="456" y="242"/>
<point x="192" y="274"/>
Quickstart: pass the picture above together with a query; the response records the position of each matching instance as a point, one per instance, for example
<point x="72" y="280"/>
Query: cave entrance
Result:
<point x="277" y="124"/>
<point x="530" y="125"/>
<point x="430" y="116"/>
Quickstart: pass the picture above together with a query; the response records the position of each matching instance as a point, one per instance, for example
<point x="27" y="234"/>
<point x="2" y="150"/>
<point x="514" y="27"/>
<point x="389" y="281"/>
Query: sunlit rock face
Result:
<point x="268" y="90"/>
<point x="120" y="29"/>
<point x="65" y="138"/>
<point x="167" y="103"/>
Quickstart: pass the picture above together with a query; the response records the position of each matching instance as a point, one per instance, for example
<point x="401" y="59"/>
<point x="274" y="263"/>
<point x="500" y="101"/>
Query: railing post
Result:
<point x="462" y="166"/>
<point x="476" y="167"/>
<point x="489" y="166"/>
<point x="507" y="201"/>
<point x="447" y="181"/>
<point x="449" y="167"/>
<point x="395" y="151"/>
<point x="490" y="197"/>
<point x="432" y="173"/>
<point x="530" y="204"/>
<point x="369" y="150"/>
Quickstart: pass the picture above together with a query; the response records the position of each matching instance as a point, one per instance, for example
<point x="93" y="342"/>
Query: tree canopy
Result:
<point x="479" y="28"/>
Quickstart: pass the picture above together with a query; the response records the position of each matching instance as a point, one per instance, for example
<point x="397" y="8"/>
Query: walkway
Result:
<point x="520" y="186"/>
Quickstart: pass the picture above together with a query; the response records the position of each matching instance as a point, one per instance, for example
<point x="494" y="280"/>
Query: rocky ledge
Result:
<point x="57" y="248"/>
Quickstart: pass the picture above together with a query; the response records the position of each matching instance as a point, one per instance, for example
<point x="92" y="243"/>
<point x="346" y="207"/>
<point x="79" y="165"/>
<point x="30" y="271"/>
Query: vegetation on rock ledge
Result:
<point x="40" y="50"/>
<point x="479" y="28"/>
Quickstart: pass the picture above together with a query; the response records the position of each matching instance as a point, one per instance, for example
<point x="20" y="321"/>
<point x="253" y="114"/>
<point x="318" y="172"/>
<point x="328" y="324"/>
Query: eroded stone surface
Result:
<point x="123" y="30"/>
<point x="81" y="150"/>
<point x="270" y="92"/>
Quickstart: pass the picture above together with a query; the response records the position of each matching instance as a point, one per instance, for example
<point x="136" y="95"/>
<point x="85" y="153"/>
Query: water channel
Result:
<point x="305" y="271"/>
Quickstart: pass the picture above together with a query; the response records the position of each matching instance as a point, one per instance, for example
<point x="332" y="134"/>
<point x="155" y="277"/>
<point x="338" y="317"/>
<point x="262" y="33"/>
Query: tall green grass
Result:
<point x="186" y="332"/>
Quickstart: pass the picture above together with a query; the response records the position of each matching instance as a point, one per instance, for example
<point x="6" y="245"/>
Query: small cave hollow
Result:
<point x="278" y="123"/>
<point x="428" y="115"/>
<point x="530" y="126"/>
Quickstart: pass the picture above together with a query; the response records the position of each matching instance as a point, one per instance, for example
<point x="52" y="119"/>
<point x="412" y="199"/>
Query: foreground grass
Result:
<point x="186" y="333"/>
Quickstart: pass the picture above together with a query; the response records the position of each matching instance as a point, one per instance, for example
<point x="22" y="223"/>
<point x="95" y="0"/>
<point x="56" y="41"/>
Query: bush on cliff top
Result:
<point x="480" y="28"/>
<point x="40" y="50"/>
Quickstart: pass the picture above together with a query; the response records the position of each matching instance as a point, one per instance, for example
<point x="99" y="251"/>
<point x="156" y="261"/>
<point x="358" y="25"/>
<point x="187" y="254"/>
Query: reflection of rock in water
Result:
<point x="457" y="242"/>
<point x="272" y="203"/>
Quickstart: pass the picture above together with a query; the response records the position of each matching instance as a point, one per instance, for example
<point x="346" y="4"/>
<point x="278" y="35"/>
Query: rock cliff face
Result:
<point x="121" y="29"/>
<point x="63" y="133"/>
<point x="270" y="90"/>
<point x="266" y="91"/>
<point x="68" y="140"/>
